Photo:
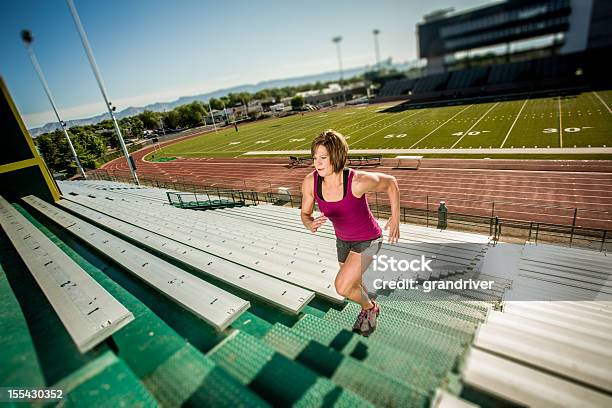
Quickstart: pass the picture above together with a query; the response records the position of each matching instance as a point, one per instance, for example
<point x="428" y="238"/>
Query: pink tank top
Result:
<point x="351" y="216"/>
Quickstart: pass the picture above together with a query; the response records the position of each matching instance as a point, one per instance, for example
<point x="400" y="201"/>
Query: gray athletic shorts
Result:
<point x="370" y="247"/>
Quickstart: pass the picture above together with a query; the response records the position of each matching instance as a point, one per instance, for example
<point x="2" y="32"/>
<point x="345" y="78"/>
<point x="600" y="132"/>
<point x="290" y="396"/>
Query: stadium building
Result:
<point x="509" y="47"/>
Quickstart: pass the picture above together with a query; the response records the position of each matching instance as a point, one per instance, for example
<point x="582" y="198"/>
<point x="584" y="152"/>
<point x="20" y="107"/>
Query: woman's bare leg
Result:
<point x="349" y="279"/>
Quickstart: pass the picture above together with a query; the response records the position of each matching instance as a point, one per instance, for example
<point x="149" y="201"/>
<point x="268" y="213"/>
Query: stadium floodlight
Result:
<point x="96" y="71"/>
<point x="337" y="40"/>
<point x="26" y="36"/>
<point x="376" y="31"/>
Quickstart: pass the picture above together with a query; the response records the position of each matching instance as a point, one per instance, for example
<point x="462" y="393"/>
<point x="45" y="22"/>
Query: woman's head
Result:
<point x="330" y="152"/>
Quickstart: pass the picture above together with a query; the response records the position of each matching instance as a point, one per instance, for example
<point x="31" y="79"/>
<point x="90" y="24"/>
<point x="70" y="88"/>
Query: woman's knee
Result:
<point x="345" y="286"/>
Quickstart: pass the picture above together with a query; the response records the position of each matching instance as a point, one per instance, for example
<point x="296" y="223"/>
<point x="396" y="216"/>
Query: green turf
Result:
<point x="576" y="120"/>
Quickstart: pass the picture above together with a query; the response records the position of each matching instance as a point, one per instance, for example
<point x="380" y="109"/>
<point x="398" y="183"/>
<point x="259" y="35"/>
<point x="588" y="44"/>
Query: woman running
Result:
<point x="341" y="196"/>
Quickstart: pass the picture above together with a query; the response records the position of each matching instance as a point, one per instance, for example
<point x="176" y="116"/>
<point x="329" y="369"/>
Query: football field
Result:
<point x="574" y="121"/>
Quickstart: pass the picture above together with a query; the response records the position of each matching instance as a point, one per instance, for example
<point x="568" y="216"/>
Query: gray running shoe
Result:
<point x="369" y="325"/>
<point x="359" y="322"/>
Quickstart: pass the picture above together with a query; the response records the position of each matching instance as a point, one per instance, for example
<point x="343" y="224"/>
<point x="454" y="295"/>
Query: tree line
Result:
<point x="93" y="142"/>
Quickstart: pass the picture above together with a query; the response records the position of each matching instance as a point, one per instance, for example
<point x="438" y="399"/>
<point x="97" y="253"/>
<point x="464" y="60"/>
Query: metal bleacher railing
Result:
<point x="422" y="209"/>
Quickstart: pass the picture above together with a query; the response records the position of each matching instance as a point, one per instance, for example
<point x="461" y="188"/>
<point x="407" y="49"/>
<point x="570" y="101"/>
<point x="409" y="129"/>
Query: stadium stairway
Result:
<point x="433" y="348"/>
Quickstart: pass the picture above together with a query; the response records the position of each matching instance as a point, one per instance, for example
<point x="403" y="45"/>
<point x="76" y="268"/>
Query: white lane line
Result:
<point x="514" y="123"/>
<point x="448" y="120"/>
<point x="474" y="125"/>
<point x="602" y="101"/>
<point x="560" y="125"/>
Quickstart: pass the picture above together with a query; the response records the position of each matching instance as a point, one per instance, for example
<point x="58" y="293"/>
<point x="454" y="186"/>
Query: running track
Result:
<point x="525" y="190"/>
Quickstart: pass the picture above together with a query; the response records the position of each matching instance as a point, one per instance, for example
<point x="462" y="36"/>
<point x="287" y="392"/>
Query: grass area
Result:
<point x="581" y="120"/>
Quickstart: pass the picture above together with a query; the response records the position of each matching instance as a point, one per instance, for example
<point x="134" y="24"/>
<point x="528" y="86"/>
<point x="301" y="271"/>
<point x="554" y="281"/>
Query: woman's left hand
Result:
<point x="393" y="227"/>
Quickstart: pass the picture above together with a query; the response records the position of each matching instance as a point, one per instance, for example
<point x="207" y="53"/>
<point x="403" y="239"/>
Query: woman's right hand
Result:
<point x="317" y="222"/>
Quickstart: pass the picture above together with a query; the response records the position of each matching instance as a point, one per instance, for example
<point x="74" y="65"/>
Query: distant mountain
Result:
<point x="160" y="106"/>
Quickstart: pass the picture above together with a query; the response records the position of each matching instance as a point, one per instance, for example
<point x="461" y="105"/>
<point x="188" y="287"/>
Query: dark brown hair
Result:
<point x="336" y="146"/>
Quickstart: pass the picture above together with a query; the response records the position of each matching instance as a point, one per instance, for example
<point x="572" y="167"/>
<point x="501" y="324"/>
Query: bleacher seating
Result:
<point x="89" y="313"/>
<point x="217" y="307"/>
<point x="468" y="78"/>
<point x="396" y="87"/>
<point x="435" y="348"/>
<point x="431" y="83"/>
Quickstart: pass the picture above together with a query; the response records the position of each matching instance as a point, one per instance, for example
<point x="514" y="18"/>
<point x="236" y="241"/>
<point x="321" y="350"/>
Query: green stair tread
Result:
<point x="440" y="295"/>
<point x="104" y="382"/>
<point x="364" y="380"/>
<point x="450" y="308"/>
<point x="434" y="320"/>
<point x="391" y="326"/>
<point x="274" y="377"/>
<point x="251" y="324"/>
<point x="18" y="360"/>
<point x="405" y="340"/>
<point x="412" y="369"/>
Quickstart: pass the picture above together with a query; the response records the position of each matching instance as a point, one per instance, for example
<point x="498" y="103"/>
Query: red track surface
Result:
<point x="527" y="190"/>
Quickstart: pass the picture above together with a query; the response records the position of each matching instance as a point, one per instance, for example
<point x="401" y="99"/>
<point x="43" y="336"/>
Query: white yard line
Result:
<point x="397" y="121"/>
<point x="474" y="125"/>
<point x="560" y="125"/>
<point x="448" y="120"/>
<point x="514" y="123"/>
<point x="602" y="101"/>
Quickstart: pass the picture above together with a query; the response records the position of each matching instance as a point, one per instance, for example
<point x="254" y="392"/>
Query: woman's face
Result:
<point x="322" y="162"/>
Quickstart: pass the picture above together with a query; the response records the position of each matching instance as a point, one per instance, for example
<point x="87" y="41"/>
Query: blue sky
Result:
<point x="152" y="51"/>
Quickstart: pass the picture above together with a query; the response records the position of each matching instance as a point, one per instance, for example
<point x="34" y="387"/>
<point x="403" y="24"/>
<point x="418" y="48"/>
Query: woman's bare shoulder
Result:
<point x="308" y="181"/>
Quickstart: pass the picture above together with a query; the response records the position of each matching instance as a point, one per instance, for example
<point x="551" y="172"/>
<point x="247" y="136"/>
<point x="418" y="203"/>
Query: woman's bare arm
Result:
<point x="307" y="209"/>
<point x="381" y="183"/>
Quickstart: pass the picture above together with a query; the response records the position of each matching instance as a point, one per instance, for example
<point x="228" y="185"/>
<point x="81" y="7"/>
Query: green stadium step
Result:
<point x="388" y="323"/>
<point x="186" y="371"/>
<point x="426" y="316"/>
<point x="174" y="372"/>
<point x="411" y="369"/>
<point x="439" y="348"/>
<point x="19" y="366"/>
<point x="448" y="307"/>
<point x="277" y="379"/>
<point x="104" y="382"/>
<point x="441" y="295"/>
<point x="373" y="385"/>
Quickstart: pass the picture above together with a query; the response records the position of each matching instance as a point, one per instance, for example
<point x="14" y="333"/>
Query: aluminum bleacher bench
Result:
<point x="89" y="313"/>
<point x="371" y="160"/>
<point x="526" y="386"/>
<point x="272" y="263"/>
<point x="286" y="296"/>
<point x="408" y="162"/>
<point x="298" y="161"/>
<point x="213" y="305"/>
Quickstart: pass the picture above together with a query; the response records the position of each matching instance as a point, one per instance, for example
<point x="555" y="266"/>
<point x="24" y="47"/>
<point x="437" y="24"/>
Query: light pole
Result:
<point x="337" y="40"/>
<point x="94" y="67"/>
<point x="26" y="36"/>
<point x="376" y="31"/>
<point x="161" y="122"/>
